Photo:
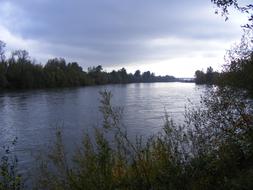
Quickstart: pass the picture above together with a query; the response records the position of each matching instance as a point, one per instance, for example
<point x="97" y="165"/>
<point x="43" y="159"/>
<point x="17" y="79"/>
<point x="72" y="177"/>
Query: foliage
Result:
<point x="238" y="70"/>
<point x="224" y="6"/>
<point x="212" y="149"/>
<point x="239" y="74"/>
<point x="9" y="177"/>
<point x="20" y="72"/>
<point x="208" y="77"/>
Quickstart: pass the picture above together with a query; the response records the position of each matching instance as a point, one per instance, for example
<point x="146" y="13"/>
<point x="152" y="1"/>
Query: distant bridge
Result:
<point x="185" y="79"/>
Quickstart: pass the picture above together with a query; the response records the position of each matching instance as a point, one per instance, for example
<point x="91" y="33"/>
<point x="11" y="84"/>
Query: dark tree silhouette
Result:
<point x="20" y="72"/>
<point x="208" y="77"/>
<point x="223" y="6"/>
<point x="2" y="55"/>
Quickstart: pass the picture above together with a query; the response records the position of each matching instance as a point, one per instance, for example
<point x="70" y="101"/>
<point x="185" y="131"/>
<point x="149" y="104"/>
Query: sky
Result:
<point x="167" y="37"/>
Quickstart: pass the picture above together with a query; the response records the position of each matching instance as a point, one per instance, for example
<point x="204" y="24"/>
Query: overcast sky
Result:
<point x="164" y="36"/>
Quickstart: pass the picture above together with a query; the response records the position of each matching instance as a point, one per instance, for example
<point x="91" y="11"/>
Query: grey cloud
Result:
<point x="84" y="20"/>
<point x="116" y="31"/>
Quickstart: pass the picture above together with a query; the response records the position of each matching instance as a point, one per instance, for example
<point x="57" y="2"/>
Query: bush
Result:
<point x="9" y="177"/>
<point x="213" y="149"/>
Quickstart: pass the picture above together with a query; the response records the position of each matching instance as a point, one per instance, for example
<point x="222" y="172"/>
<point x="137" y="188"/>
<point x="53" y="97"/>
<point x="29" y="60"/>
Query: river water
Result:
<point x="32" y="116"/>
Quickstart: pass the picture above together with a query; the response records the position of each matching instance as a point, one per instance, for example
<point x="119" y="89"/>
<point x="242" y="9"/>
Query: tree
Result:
<point x="20" y="55"/>
<point x="97" y="74"/>
<point x="96" y="69"/>
<point x="209" y="75"/>
<point x="224" y="5"/>
<point x="146" y="76"/>
<point x="56" y="72"/>
<point x="2" y="52"/>
<point x="74" y="66"/>
<point x="200" y="77"/>
<point x="19" y="69"/>
<point x="3" y="66"/>
<point x="123" y="75"/>
<point x="137" y="75"/>
<point x="238" y="70"/>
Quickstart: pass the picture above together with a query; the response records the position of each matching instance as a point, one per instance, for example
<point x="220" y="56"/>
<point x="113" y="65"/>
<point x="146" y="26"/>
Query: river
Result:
<point x="32" y="116"/>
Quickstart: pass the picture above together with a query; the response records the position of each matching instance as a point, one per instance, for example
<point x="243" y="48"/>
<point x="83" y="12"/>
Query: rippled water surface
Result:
<point x="33" y="115"/>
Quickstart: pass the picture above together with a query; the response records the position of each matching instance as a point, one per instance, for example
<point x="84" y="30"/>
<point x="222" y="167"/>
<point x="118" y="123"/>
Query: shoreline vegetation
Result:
<point x="20" y="72"/>
<point x="212" y="149"/>
<point x="237" y="74"/>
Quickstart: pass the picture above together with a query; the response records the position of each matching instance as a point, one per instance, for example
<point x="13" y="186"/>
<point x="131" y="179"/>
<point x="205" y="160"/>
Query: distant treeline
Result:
<point x="239" y="74"/>
<point x="208" y="77"/>
<point x="20" y="72"/>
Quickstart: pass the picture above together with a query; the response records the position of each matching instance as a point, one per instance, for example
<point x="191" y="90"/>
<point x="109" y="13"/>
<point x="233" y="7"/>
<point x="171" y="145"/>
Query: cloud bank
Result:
<point x="167" y="37"/>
